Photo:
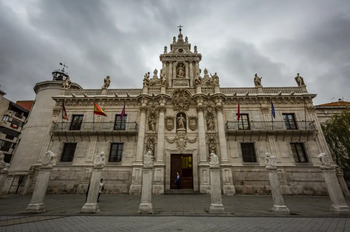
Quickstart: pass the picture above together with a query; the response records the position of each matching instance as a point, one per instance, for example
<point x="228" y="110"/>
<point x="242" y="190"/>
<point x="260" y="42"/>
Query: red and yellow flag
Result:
<point x="98" y="110"/>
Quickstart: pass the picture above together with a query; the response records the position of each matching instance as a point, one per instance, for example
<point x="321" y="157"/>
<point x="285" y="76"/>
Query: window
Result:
<point x="9" y="137"/>
<point x="299" y="152"/>
<point x="243" y="123"/>
<point x="76" y="122"/>
<point x="289" y="121"/>
<point x="248" y="152"/>
<point x="115" y="154"/>
<point x="68" y="152"/>
<point x="120" y="125"/>
<point x="5" y="145"/>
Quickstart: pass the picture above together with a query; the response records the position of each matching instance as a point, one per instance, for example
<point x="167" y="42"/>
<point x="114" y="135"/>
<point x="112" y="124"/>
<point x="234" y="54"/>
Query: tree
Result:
<point x="337" y="133"/>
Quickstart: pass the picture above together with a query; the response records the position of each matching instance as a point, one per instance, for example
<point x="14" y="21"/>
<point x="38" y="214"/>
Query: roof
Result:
<point x="338" y="103"/>
<point x="25" y="104"/>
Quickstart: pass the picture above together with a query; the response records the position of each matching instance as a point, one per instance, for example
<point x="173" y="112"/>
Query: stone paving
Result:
<point x="172" y="213"/>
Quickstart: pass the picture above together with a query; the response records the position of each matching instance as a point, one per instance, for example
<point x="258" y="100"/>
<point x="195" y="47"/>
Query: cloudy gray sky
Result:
<point x="123" y="39"/>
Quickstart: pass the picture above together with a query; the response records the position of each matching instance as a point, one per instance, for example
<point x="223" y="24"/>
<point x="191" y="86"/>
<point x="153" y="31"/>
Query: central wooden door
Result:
<point x="182" y="163"/>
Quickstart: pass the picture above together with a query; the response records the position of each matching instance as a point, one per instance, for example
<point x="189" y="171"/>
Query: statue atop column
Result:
<point x="100" y="160"/>
<point x="214" y="159"/>
<point x="48" y="159"/>
<point x="148" y="159"/>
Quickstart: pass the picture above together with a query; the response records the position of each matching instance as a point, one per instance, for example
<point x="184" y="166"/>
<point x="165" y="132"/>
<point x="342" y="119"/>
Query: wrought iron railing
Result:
<point x="270" y="126"/>
<point x="95" y="126"/>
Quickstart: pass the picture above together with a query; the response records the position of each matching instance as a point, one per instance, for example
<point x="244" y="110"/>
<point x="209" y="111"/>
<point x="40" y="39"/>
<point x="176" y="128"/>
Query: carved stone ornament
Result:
<point x="214" y="159"/>
<point x="325" y="160"/>
<point x="169" y="123"/>
<point x="181" y="100"/>
<point x="181" y="140"/>
<point x="192" y="123"/>
<point x="66" y="83"/>
<point x="148" y="159"/>
<point x="48" y="159"/>
<point x="100" y="160"/>
<point x="270" y="161"/>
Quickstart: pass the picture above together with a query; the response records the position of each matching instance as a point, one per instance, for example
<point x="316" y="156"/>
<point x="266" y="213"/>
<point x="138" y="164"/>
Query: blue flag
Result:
<point x="273" y="110"/>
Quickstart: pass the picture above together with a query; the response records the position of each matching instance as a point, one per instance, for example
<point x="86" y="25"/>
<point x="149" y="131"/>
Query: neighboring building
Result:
<point x="327" y="110"/>
<point x="13" y="117"/>
<point x="181" y="117"/>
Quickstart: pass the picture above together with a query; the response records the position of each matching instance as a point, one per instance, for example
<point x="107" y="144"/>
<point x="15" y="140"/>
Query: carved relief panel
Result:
<point x="192" y="123"/>
<point x="169" y="123"/>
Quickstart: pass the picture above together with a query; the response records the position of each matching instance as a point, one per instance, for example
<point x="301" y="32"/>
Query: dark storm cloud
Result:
<point x="124" y="39"/>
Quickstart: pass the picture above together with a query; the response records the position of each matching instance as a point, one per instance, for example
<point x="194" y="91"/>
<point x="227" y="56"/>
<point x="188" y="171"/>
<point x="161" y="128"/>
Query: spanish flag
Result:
<point x="98" y="110"/>
<point x="64" y="112"/>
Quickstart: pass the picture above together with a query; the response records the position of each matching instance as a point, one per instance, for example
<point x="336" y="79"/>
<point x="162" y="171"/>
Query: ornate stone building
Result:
<point x="181" y="115"/>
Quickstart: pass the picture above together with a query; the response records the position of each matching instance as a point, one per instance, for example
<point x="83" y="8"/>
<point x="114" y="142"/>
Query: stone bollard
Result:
<point x="91" y="205"/>
<point x="216" y="205"/>
<point x="36" y="204"/>
<point x="335" y="193"/>
<point x="279" y="206"/>
<point x="146" y="206"/>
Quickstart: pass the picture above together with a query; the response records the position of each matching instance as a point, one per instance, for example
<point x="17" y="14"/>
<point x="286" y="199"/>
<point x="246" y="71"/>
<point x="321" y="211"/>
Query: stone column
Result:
<point x="279" y="206"/>
<point x="170" y="77"/>
<point x="191" y="74"/>
<point x="328" y="171"/>
<point x="36" y="204"/>
<point x="135" y="187"/>
<point x="158" y="187"/>
<point x="204" y="186"/>
<point x="216" y="205"/>
<point x="91" y="205"/>
<point x="147" y="178"/>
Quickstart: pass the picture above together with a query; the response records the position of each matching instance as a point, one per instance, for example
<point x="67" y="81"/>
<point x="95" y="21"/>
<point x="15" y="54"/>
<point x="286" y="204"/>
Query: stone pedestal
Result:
<point x="204" y="178"/>
<point x="135" y="187"/>
<point x="279" y="206"/>
<point x="91" y="205"/>
<point x="228" y="188"/>
<point x="334" y="190"/>
<point x="146" y="194"/>
<point x="36" y="204"/>
<point x="216" y="205"/>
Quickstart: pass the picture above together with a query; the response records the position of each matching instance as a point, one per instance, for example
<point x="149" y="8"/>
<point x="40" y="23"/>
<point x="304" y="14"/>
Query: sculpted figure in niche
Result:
<point x="152" y="123"/>
<point x="162" y="79"/>
<point x="180" y="71"/>
<point x="106" y="82"/>
<point x="299" y="80"/>
<point x="146" y="79"/>
<point x="257" y="80"/>
<point x="214" y="159"/>
<point x="67" y="83"/>
<point x="210" y="123"/>
<point x="181" y="122"/>
<point x="148" y="158"/>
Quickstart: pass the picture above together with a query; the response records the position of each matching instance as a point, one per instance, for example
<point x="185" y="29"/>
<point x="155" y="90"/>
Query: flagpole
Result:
<point x="93" y="118"/>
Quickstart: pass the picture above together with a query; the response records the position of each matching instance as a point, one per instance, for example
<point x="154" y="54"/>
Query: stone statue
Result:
<point x="299" y="80"/>
<point x="215" y="79"/>
<point x="155" y="74"/>
<point x="195" y="49"/>
<point x="48" y="159"/>
<point x="67" y="83"/>
<point x="270" y="161"/>
<point x="152" y="124"/>
<point x="174" y="39"/>
<point x="148" y="159"/>
<point x="257" y="80"/>
<point x="210" y="124"/>
<point x="165" y="50"/>
<point x="181" y="122"/>
<point x="162" y="79"/>
<point x="146" y="79"/>
<point x="180" y="71"/>
<point x="214" y="159"/>
<point x="186" y="39"/>
<point x="325" y="160"/>
<point x="106" y="82"/>
<point x="100" y="160"/>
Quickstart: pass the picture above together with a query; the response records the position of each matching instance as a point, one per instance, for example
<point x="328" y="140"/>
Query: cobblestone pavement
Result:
<point x="172" y="213"/>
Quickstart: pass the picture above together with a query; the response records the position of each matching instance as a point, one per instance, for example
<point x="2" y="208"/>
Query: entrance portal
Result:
<point x="182" y="164"/>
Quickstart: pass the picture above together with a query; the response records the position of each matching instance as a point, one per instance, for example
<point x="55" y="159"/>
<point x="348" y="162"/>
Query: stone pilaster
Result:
<point x="216" y="205"/>
<point x="135" y="187"/>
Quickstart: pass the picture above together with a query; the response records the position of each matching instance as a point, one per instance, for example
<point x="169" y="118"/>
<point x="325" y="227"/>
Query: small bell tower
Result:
<point x="180" y="65"/>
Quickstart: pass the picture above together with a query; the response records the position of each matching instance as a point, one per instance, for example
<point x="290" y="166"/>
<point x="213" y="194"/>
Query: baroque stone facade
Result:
<point x="181" y="117"/>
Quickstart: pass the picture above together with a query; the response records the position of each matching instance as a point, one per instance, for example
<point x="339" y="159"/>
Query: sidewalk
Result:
<point x="172" y="205"/>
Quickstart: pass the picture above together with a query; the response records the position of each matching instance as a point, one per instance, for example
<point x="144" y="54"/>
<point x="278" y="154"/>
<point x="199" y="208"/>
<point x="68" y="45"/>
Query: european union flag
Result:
<point x="273" y="110"/>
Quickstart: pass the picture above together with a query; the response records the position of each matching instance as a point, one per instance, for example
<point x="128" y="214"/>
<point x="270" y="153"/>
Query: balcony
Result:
<point x="94" y="128"/>
<point x="278" y="128"/>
